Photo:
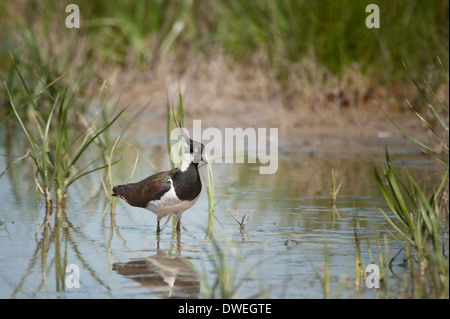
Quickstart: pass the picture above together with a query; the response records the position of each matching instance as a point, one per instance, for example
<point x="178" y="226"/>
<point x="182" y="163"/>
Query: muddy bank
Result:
<point x="224" y="95"/>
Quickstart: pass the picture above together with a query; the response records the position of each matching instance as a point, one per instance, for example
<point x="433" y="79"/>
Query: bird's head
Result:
<point x="196" y="151"/>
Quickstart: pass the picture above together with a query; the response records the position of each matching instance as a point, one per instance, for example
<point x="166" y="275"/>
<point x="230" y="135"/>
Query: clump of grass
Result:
<point x="418" y="218"/>
<point x="227" y="282"/>
<point x="334" y="189"/>
<point x="361" y="266"/>
<point x="55" y="149"/>
<point x="225" y="285"/>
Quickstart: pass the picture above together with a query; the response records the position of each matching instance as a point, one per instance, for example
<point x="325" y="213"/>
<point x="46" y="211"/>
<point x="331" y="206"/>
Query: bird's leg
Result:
<point x="178" y="223"/>
<point x="158" y="229"/>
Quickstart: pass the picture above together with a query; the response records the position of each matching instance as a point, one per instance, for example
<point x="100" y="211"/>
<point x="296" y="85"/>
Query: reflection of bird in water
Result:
<point x="172" y="268"/>
<point x="162" y="270"/>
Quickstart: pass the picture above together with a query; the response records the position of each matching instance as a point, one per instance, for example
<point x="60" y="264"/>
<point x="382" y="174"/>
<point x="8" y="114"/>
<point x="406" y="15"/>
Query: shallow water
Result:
<point x="292" y="231"/>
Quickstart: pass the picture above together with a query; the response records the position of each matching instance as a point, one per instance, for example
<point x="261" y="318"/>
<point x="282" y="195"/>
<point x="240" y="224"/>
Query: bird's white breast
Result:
<point x="169" y="203"/>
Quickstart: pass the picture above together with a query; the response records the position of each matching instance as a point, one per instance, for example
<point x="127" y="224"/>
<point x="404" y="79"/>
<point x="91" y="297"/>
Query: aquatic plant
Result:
<point x="227" y="263"/>
<point x="421" y="219"/>
<point x="55" y="145"/>
<point x="334" y="189"/>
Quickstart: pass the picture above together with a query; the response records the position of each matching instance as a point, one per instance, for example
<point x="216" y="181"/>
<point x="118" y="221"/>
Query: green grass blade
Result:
<point x="29" y="95"/>
<point x="169" y="129"/>
<point x="32" y="141"/>
<point x="91" y="138"/>
<point x="81" y="174"/>
<point x="394" y="225"/>
<point x="406" y="134"/>
<point x="45" y="144"/>
<point x="405" y="222"/>
<point x="429" y="125"/>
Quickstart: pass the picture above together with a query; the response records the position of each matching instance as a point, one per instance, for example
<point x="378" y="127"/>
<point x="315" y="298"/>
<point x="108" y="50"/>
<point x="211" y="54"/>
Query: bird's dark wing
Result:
<point x="141" y="193"/>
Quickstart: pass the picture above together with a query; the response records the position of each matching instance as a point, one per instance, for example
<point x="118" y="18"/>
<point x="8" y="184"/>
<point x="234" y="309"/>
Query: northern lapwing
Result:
<point x="171" y="192"/>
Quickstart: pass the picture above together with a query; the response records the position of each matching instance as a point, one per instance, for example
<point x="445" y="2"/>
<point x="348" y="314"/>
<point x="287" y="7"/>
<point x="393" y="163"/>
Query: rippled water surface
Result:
<point x="293" y="236"/>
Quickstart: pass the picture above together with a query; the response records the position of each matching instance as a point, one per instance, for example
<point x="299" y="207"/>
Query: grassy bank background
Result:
<point x="295" y="55"/>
